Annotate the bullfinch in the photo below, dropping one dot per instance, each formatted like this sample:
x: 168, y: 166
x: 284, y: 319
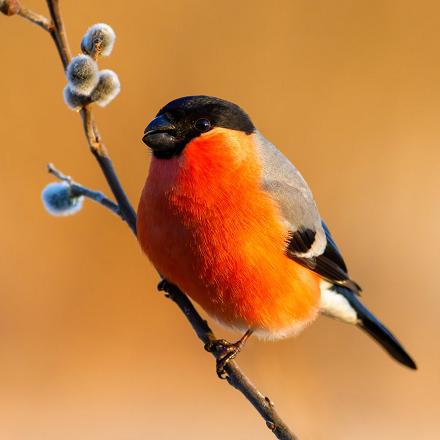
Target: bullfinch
x: 226, y: 217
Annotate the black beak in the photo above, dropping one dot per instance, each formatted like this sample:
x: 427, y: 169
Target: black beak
x: 160, y: 134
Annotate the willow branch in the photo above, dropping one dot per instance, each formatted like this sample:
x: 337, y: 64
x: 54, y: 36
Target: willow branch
x: 235, y: 377
x: 123, y: 208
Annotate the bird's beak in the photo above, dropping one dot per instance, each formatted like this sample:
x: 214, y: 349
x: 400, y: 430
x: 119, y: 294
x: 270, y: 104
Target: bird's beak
x: 160, y: 134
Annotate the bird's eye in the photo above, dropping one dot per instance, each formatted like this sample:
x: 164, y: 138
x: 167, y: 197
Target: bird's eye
x: 203, y: 125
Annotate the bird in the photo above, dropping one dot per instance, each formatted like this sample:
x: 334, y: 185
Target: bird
x: 227, y: 218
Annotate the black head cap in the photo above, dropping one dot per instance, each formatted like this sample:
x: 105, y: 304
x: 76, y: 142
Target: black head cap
x: 186, y: 118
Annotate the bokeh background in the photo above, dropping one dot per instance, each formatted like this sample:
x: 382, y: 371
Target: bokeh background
x: 350, y: 91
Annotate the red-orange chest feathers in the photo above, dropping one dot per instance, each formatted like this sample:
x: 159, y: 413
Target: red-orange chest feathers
x: 207, y: 225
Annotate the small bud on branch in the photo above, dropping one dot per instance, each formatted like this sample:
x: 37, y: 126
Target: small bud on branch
x: 10, y: 7
x: 98, y: 40
x: 82, y: 75
x: 59, y: 200
x: 73, y: 100
x: 107, y: 89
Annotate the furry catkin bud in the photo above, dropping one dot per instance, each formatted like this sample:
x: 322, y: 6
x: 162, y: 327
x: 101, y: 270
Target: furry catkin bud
x: 58, y: 200
x: 82, y: 75
x: 73, y: 100
x: 107, y: 89
x: 98, y: 40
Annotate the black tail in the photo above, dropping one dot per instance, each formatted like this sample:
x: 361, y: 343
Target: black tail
x: 378, y: 331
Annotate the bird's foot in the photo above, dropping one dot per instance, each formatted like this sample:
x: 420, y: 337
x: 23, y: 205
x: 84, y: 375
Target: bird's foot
x: 167, y: 287
x: 224, y: 351
x: 163, y: 285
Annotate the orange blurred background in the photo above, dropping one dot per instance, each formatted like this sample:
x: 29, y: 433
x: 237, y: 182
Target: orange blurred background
x: 350, y: 91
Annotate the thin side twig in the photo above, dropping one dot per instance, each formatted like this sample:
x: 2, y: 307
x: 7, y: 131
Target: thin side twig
x: 235, y: 376
x: 35, y: 18
x: 81, y: 190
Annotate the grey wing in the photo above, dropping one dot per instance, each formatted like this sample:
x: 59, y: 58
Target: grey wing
x: 309, y: 241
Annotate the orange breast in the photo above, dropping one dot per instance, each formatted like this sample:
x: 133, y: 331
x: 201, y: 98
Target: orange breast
x: 207, y: 226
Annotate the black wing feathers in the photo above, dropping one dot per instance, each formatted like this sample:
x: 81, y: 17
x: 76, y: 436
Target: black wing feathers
x: 332, y: 250
x: 330, y: 264
x: 300, y: 241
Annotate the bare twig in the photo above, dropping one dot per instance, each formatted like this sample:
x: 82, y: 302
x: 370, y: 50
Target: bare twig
x: 123, y: 208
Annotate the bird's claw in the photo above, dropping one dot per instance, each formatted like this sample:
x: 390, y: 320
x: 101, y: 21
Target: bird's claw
x: 217, y: 345
x: 163, y: 284
x: 224, y: 351
x: 224, y: 360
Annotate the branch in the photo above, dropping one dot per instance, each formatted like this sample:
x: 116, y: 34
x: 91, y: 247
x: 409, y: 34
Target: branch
x: 59, y: 34
x: 234, y: 375
x: 99, y: 150
x: 123, y: 208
